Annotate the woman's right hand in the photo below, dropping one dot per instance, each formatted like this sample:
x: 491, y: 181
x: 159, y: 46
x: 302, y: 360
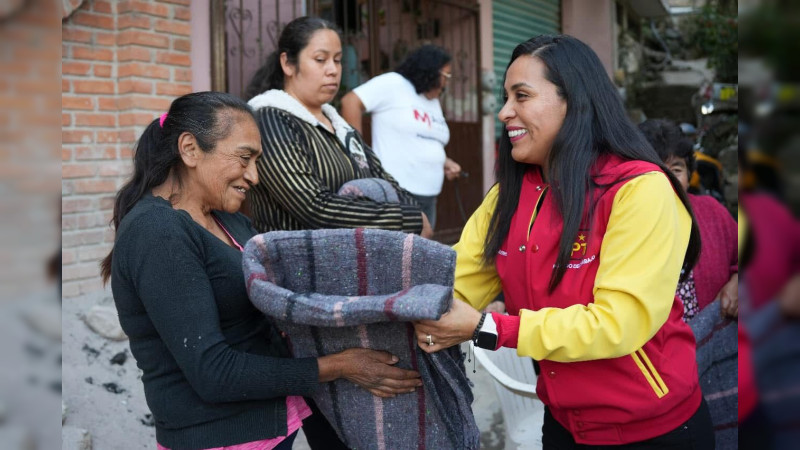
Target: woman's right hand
x: 370, y: 369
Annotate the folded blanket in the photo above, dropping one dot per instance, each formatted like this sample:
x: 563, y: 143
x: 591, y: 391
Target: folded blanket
x: 331, y: 290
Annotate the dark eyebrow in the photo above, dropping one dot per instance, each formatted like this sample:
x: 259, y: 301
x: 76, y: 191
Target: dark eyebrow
x: 519, y: 85
x: 248, y: 148
x: 328, y: 52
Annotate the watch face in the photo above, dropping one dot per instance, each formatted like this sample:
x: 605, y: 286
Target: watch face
x: 487, y: 340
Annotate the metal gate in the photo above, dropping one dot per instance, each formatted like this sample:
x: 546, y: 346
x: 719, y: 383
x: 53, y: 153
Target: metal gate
x: 377, y: 36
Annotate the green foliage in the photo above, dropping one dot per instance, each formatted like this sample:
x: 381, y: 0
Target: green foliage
x: 715, y: 35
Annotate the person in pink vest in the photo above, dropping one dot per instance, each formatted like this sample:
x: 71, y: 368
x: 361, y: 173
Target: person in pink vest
x: 586, y: 234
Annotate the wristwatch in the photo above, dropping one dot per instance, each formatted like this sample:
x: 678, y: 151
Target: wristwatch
x: 485, y: 335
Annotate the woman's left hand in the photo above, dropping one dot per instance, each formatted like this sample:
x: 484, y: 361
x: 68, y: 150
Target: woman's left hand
x: 729, y: 297
x: 454, y: 327
x: 451, y: 169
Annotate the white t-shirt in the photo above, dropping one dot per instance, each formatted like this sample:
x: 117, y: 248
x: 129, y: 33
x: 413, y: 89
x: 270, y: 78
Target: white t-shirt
x: 408, y: 132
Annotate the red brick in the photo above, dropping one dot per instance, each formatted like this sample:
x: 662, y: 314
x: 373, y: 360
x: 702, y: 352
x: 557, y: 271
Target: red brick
x: 101, y: 38
x: 75, y: 68
x: 107, y: 103
x: 83, y: 237
x: 95, y: 152
x: 68, y: 256
x: 93, y: 53
x: 183, y: 45
x: 175, y: 59
x: 93, y: 87
x: 102, y: 70
x: 182, y: 13
x: 69, y: 222
x: 80, y: 271
x: 107, y: 202
x: 95, y: 120
x: 142, y: 38
x: 173, y: 89
x: 138, y: 86
x: 133, y: 53
x: 128, y: 119
x: 133, y: 21
x: 115, y: 169
x: 101, y: 7
x: 78, y: 170
x: 64, y: 85
x: 143, y: 102
x: 183, y: 75
x: 95, y: 252
x: 76, y: 136
x: 177, y: 2
x: 129, y: 136
x: 79, y: 204
x: 143, y: 7
x: 173, y: 27
x: 95, y: 186
x: 69, y: 102
x: 66, y: 154
x: 70, y: 34
x: 92, y: 20
x: 142, y: 70
x: 107, y: 137
x: 92, y: 220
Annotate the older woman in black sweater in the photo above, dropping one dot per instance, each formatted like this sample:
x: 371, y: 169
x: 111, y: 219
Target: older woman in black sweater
x: 215, y: 372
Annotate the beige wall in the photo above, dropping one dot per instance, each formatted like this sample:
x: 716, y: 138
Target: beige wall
x: 591, y: 21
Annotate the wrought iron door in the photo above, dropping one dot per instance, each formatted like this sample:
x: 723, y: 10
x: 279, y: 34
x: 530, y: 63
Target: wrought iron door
x: 377, y: 36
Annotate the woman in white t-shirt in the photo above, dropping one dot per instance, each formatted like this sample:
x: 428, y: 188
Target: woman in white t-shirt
x: 409, y: 131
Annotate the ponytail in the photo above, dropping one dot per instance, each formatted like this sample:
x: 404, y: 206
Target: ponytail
x: 269, y: 76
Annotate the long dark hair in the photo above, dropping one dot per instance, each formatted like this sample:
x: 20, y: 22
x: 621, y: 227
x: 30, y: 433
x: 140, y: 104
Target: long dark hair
x: 595, y: 124
x: 156, y: 155
x: 422, y: 67
x: 293, y: 39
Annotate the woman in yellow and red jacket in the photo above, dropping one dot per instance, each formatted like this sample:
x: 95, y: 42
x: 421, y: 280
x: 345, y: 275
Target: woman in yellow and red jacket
x: 586, y: 234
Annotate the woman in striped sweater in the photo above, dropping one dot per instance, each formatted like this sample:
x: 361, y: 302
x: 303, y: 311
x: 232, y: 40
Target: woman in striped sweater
x: 309, y: 150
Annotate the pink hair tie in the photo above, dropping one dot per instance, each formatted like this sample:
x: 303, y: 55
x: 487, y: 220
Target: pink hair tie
x: 162, y: 119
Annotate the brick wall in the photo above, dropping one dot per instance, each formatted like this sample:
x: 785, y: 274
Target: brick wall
x: 123, y: 62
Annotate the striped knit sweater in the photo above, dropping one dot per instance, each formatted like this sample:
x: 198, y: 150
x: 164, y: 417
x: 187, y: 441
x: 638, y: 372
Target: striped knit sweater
x: 303, y: 167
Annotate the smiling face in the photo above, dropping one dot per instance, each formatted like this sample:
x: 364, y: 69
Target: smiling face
x: 533, y: 112
x: 314, y: 80
x: 225, y: 174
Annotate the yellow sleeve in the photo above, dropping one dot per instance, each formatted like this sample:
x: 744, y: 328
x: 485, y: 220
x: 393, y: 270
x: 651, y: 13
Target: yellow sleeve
x: 476, y: 283
x: 640, y: 263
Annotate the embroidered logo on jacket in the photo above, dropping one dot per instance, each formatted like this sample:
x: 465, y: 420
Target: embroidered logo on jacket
x: 579, y: 246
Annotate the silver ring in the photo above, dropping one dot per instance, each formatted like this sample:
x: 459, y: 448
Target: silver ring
x: 430, y: 340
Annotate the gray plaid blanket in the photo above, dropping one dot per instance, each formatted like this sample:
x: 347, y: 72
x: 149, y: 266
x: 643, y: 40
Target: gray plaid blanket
x: 331, y: 290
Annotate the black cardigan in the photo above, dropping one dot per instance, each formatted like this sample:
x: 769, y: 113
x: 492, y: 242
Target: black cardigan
x: 215, y: 372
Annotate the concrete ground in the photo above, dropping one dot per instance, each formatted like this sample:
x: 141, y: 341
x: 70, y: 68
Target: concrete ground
x: 105, y: 401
